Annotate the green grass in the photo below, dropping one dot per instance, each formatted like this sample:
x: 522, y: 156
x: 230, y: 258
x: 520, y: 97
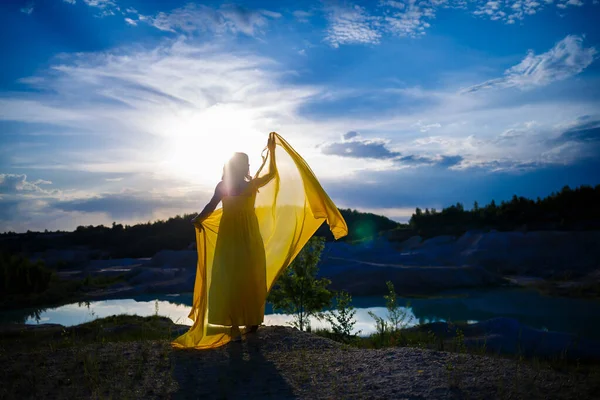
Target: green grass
x: 116, y: 328
x: 120, y: 357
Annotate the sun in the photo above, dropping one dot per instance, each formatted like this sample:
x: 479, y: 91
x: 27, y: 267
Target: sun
x: 199, y: 143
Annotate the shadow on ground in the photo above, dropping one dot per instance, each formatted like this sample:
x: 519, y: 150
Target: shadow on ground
x: 236, y: 370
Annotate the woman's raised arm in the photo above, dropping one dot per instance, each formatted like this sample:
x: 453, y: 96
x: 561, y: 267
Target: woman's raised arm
x: 263, y: 180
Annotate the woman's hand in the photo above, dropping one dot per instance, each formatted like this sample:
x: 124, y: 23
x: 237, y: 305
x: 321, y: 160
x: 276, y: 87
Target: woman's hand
x: 271, y: 143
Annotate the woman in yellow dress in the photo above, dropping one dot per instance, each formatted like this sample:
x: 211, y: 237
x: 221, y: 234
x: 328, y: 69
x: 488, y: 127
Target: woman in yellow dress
x: 244, y: 246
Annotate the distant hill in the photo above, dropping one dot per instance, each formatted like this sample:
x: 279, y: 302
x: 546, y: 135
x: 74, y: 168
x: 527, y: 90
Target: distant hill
x: 569, y: 209
x: 146, y: 239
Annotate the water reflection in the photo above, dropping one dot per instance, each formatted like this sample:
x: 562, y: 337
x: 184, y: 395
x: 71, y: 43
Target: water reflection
x: 528, y: 307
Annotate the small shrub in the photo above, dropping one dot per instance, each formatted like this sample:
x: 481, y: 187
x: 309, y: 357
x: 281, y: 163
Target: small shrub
x: 20, y: 276
x: 390, y: 331
x: 298, y: 291
x: 342, y: 319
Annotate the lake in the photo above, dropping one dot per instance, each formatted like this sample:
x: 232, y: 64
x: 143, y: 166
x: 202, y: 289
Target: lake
x: 576, y: 316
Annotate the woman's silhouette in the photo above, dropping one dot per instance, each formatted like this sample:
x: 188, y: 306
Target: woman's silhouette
x: 238, y: 287
x: 243, y: 247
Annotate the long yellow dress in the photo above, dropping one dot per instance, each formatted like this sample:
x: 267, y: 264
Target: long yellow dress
x: 238, y: 287
x: 244, y: 246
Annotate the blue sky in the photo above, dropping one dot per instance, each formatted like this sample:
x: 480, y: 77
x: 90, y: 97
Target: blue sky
x: 115, y: 110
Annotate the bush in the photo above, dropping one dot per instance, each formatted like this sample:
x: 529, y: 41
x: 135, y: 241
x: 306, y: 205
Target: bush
x: 390, y: 331
x: 298, y: 291
x: 342, y: 319
x: 20, y: 276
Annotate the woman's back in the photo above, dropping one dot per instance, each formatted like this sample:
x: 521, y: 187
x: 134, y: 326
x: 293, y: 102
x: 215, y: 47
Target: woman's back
x: 238, y: 284
x: 239, y: 199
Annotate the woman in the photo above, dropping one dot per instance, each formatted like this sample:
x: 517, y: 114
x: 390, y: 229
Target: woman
x: 243, y: 247
x: 238, y: 287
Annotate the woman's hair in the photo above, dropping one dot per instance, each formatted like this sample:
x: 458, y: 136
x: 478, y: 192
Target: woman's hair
x: 237, y: 169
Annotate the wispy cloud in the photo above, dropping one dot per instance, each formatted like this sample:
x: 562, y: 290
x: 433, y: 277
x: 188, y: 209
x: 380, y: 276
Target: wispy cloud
x: 100, y: 3
x: 131, y: 22
x: 70, y: 1
x: 104, y: 8
x: 28, y: 9
x: 354, y: 146
x: 583, y: 130
x: 173, y: 94
x: 270, y: 14
x: 410, y: 18
x: 567, y: 58
x: 517, y: 10
x: 127, y: 205
x: 194, y: 18
x: 351, y: 25
x: 18, y: 183
x: 302, y: 16
x: 445, y: 161
x: 424, y: 127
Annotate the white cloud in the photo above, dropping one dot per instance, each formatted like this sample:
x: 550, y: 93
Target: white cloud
x: 411, y: 20
x: 426, y: 127
x: 27, y: 9
x: 131, y: 22
x: 349, y: 135
x: 107, y: 13
x: 70, y: 1
x: 271, y: 14
x: 105, y: 8
x: 174, y: 94
x: 566, y: 59
x: 18, y: 183
x: 351, y: 25
x: 392, y: 3
x: 516, y: 10
x: 194, y: 18
x: 100, y: 3
x: 302, y: 16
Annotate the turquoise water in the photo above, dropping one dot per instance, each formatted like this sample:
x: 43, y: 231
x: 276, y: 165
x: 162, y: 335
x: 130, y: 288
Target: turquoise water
x: 576, y: 316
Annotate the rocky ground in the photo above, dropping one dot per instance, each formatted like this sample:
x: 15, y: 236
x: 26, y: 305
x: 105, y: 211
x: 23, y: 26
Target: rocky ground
x: 276, y: 362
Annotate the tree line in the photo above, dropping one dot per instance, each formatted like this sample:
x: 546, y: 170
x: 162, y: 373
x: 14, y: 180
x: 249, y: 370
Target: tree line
x: 568, y: 209
x: 146, y: 239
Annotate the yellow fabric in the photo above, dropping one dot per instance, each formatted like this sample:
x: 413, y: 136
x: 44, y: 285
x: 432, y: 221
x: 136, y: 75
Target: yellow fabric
x: 243, y: 247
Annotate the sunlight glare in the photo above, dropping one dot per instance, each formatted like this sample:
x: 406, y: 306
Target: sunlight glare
x: 201, y: 142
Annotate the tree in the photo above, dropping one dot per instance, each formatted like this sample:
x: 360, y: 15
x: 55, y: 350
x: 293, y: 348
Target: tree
x: 298, y: 291
x: 342, y: 319
x: 398, y: 317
